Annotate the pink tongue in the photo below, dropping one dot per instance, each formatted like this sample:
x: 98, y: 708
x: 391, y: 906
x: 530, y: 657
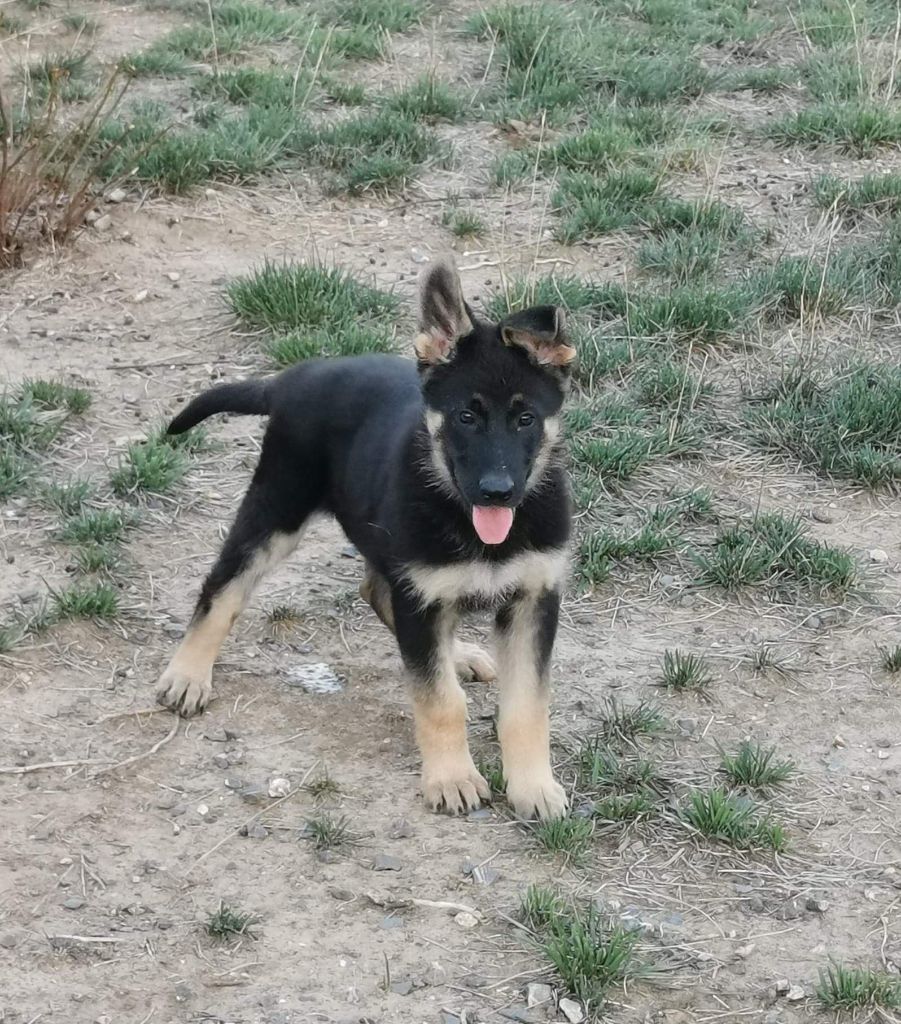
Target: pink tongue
x: 492, y: 524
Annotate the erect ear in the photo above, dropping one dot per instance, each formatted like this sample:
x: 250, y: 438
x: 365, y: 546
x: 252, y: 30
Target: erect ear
x: 443, y: 315
x: 541, y: 331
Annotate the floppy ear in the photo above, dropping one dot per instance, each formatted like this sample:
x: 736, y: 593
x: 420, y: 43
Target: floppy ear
x: 443, y: 315
x: 541, y: 331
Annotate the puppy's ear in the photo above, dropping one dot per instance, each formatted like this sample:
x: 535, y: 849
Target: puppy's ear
x: 443, y: 315
x: 541, y: 331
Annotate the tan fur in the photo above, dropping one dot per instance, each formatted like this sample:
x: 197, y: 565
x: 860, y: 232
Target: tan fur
x: 432, y: 347
x: 186, y: 684
x: 545, y: 350
x: 532, y: 571
x: 545, y: 452
x: 449, y: 776
x: 523, y: 725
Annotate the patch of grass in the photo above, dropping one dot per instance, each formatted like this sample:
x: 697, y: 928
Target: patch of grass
x: 349, y: 94
x: 151, y: 466
x: 80, y: 23
x: 851, y: 988
x: 377, y: 15
x: 591, y: 205
x: 619, y: 457
x: 263, y: 87
x: 539, y: 906
x: 154, y: 62
x: 493, y: 774
x: 96, y: 601
x: 10, y: 637
x: 682, y: 671
x: 373, y: 151
x: 569, y: 836
x: 65, y: 75
x: 847, y: 426
x: 10, y: 25
x: 25, y: 426
x: 54, y: 394
x: 691, y: 312
x: 623, y: 723
x: 859, y: 129
x: 797, y: 287
x: 590, y: 955
x: 599, y: 768
x: 774, y: 550
x: 225, y: 922
x: 68, y: 498
x: 729, y: 819
x: 890, y: 658
x: 95, y: 526
x: 603, y: 299
x: 664, y: 383
x: 284, y: 616
x: 348, y: 340
x: 767, y: 79
x: 323, y: 787
x: 326, y: 832
x: 756, y: 767
x: 427, y: 99
x: 623, y: 806
x: 286, y: 297
x: 464, y: 223
x: 875, y: 193
x: 91, y: 558
x: 14, y: 471
x: 257, y: 23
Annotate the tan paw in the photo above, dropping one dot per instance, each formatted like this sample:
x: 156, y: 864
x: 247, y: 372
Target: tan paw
x: 472, y: 662
x: 184, y: 692
x: 454, y: 786
x: 537, y: 796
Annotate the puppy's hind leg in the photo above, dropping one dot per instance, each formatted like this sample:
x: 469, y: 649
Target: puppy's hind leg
x: 470, y: 661
x: 266, y: 530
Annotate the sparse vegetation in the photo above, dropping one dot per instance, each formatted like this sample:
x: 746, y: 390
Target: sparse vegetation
x: 756, y: 767
x: 891, y: 658
x: 853, y: 988
x: 719, y: 815
x: 226, y: 922
x: 685, y: 671
x: 327, y: 832
x: 568, y: 836
x: 92, y: 601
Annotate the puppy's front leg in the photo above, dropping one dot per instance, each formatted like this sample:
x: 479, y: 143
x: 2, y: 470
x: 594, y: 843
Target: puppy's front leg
x: 526, y: 628
x: 450, y: 780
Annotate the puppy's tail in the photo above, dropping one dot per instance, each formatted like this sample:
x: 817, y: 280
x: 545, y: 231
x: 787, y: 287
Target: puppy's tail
x: 250, y: 398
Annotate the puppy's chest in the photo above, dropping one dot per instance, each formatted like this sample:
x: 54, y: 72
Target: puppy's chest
x: 479, y: 583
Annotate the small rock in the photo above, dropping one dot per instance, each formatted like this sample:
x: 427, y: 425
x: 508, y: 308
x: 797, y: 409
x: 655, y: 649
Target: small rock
x: 182, y: 993
x: 279, y: 787
x: 537, y: 995
x: 743, y: 952
x: 221, y: 761
x: 817, y: 906
x: 387, y: 862
x: 103, y: 223
x: 92, y: 216
x: 391, y: 921
x: 349, y: 551
x: 9, y: 940
x: 128, y: 319
x: 232, y: 781
x: 481, y: 814
x: 687, y: 726
x: 402, y: 987
x: 215, y: 735
x: 257, y: 831
x: 203, y: 810
x: 167, y: 801
x: 839, y: 741
x: 172, y: 275
x: 795, y: 994
x: 522, y: 1014
x: 418, y: 256
x: 400, y: 829
x: 74, y: 903
x: 466, y: 920
x: 782, y: 986
x: 878, y: 555
x: 572, y: 1011
x: 254, y: 794
x: 118, y: 195
x: 140, y: 296
x: 315, y: 678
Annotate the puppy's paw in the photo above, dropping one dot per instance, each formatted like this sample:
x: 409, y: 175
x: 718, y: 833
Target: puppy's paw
x: 186, y: 693
x: 472, y: 662
x: 536, y: 796
x: 454, y: 786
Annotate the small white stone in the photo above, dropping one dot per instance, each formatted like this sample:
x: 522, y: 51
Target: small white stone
x: 203, y: 810
x: 140, y: 296
x: 743, y: 952
x: 878, y: 555
x: 795, y: 994
x: 118, y: 195
x: 173, y: 275
x: 572, y: 1011
x: 279, y: 787
x: 103, y: 223
x: 839, y: 741
x: 466, y: 920
x: 537, y: 995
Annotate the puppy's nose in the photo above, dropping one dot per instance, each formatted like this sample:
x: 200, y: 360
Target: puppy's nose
x: 496, y: 488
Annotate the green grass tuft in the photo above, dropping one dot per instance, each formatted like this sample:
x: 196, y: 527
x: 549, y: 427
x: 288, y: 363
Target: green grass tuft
x: 623, y: 723
x: 427, y: 99
x: 464, y: 223
x: 591, y: 206
x: 847, y: 425
x: 63, y: 75
x: 69, y: 498
x: 249, y: 86
x: 326, y: 832
x: 14, y: 472
x: 755, y: 767
x: 54, y: 394
x: 874, y: 193
x: 890, y: 658
x: 97, y: 526
x: 346, y: 340
x: 664, y: 383
x: 91, y: 558
x: 569, y: 836
x: 730, y: 819
x: 852, y: 988
x: 859, y: 129
x: 154, y: 62
x: 226, y: 922
x: 377, y: 15
x: 683, y: 671
x: 97, y: 601
x: 539, y: 906
x: 601, y: 769
x: 284, y: 297
x: 26, y: 426
x: 152, y: 466
x: 775, y: 551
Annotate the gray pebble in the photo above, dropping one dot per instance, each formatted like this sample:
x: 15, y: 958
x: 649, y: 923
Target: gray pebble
x: 9, y: 940
x: 254, y: 793
x: 391, y: 922
x: 387, y: 862
x: 215, y: 735
x: 74, y: 903
x: 402, y: 987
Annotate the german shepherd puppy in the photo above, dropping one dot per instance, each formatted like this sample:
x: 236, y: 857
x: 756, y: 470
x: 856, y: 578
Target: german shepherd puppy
x: 448, y: 479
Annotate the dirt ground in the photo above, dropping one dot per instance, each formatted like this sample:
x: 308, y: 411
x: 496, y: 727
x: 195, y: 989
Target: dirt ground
x: 112, y: 862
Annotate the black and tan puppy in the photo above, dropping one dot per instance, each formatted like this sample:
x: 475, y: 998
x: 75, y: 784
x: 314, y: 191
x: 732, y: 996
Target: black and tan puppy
x: 448, y: 479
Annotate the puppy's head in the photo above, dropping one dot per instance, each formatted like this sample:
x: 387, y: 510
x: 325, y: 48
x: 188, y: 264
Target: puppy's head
x: 492, y: 393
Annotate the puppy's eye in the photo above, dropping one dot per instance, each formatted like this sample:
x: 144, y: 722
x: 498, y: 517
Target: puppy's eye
x: 467, y: 417
x: 526, y: 420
